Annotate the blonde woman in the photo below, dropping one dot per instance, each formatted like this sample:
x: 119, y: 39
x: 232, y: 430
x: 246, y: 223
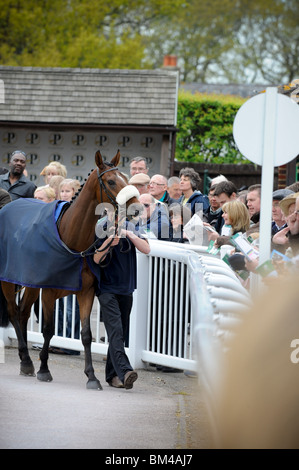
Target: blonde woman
x: 68, y: 188
x: 236, y: 215
x: 54, y: 183
x: 53, y: 169
x: 45, y: 193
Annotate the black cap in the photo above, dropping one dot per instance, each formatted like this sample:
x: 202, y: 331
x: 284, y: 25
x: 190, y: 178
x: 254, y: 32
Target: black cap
x: 280, y: 194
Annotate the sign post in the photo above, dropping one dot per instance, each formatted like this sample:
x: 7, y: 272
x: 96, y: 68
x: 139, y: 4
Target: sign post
x: 268, y: 163
x: 266, y: 132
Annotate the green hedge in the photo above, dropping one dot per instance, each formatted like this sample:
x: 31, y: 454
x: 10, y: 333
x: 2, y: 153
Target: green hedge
x: 205, y: 124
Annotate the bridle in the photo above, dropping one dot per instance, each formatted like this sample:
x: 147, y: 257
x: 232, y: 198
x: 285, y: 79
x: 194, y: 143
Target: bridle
x: 112, y: 199
x: 104, y: 188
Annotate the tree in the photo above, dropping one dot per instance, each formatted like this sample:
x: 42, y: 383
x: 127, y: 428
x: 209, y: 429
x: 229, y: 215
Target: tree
x: 77, y: 33
x: 243, y: 41
x: 266, y: 47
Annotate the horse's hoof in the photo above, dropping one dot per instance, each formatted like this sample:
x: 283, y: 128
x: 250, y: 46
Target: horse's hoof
x: 27, y: 370
x: 44, y: 376
x: 94, y: 385
x: 30, y: 374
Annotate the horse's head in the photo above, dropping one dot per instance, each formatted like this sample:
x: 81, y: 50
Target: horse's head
x: 114, y: 189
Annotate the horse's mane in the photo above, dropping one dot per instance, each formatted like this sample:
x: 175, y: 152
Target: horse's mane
x: 79, y: 190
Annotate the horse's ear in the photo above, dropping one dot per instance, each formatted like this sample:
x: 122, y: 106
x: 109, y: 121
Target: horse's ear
x: 115, y: 160
x: 99, y: 160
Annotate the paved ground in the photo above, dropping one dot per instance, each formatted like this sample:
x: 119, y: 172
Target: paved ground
x: 162, y: 411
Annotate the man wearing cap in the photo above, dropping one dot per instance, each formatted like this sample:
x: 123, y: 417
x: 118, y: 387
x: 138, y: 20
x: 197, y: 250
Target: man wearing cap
x: 278, y: 218
x: 141, y: 182
x: 14, y: 181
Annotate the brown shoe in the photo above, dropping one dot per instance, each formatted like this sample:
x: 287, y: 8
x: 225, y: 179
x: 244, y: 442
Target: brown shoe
x: 130, y: 377
x: 116, y: 382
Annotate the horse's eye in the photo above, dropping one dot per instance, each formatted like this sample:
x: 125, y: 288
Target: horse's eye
x: 111, y: 182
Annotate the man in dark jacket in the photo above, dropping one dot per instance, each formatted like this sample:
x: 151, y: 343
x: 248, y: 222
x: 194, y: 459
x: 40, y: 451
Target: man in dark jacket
x: 278, y: 219
x: 213, y: 214
x: 14, y: 182
x: 154, y: 221
x: 118, y: 280
x: 225, y: 191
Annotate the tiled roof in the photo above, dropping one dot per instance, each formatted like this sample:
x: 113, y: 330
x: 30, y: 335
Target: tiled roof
x: 243, y: 90
x: 89, y: 96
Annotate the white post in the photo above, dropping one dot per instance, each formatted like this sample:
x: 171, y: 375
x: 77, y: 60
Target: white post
x: 138, y: 317
x: 268, y: 159
x: 4, y: 336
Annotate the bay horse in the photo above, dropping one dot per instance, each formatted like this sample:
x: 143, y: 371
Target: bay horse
x: 77, y: 231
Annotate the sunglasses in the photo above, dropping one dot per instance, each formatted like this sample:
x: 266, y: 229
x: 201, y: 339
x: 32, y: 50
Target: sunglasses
x: 18, y: 151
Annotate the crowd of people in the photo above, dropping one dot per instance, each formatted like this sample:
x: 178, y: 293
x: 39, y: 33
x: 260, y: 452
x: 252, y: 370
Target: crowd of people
x: 225, y: 211
x: 168, y: 206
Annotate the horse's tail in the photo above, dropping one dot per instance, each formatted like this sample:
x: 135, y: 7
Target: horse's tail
x: 4, y: 319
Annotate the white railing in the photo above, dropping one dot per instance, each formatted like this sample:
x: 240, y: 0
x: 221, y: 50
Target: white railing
x: 186, y: 302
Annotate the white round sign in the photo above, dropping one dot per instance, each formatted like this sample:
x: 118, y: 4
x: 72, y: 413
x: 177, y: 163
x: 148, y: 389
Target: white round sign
x: 249, y: 124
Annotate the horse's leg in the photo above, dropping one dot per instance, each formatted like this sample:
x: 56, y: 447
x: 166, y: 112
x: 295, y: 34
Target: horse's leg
x: 85, y: 300
x: 14, y: 312
x: 48, y: 302
x: 30, y: 296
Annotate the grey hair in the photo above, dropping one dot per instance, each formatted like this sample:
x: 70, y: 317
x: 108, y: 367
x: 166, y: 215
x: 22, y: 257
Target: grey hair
x: 173, y: 180
x: 194, y: 177
x: 139, y: 159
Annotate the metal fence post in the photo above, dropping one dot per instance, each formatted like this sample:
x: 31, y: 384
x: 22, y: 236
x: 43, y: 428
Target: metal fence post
x: 138, y: 317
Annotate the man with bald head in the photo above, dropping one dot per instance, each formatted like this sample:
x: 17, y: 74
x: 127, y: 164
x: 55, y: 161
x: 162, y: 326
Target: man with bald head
x: 14, y: 182
x: 158, y: 189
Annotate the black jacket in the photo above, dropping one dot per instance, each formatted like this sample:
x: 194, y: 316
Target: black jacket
x: 22, y: 188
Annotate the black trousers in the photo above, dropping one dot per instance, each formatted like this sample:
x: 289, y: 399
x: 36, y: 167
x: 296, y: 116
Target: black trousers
x: 116, y: 311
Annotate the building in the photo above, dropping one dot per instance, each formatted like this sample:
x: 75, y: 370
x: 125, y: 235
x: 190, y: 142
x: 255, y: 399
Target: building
x: 68, y: 114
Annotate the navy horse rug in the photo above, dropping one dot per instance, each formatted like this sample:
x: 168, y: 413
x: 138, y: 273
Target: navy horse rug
x: 31, y: 251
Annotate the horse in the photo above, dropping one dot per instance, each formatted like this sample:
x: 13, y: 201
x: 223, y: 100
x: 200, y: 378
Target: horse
x: 76, y: 228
